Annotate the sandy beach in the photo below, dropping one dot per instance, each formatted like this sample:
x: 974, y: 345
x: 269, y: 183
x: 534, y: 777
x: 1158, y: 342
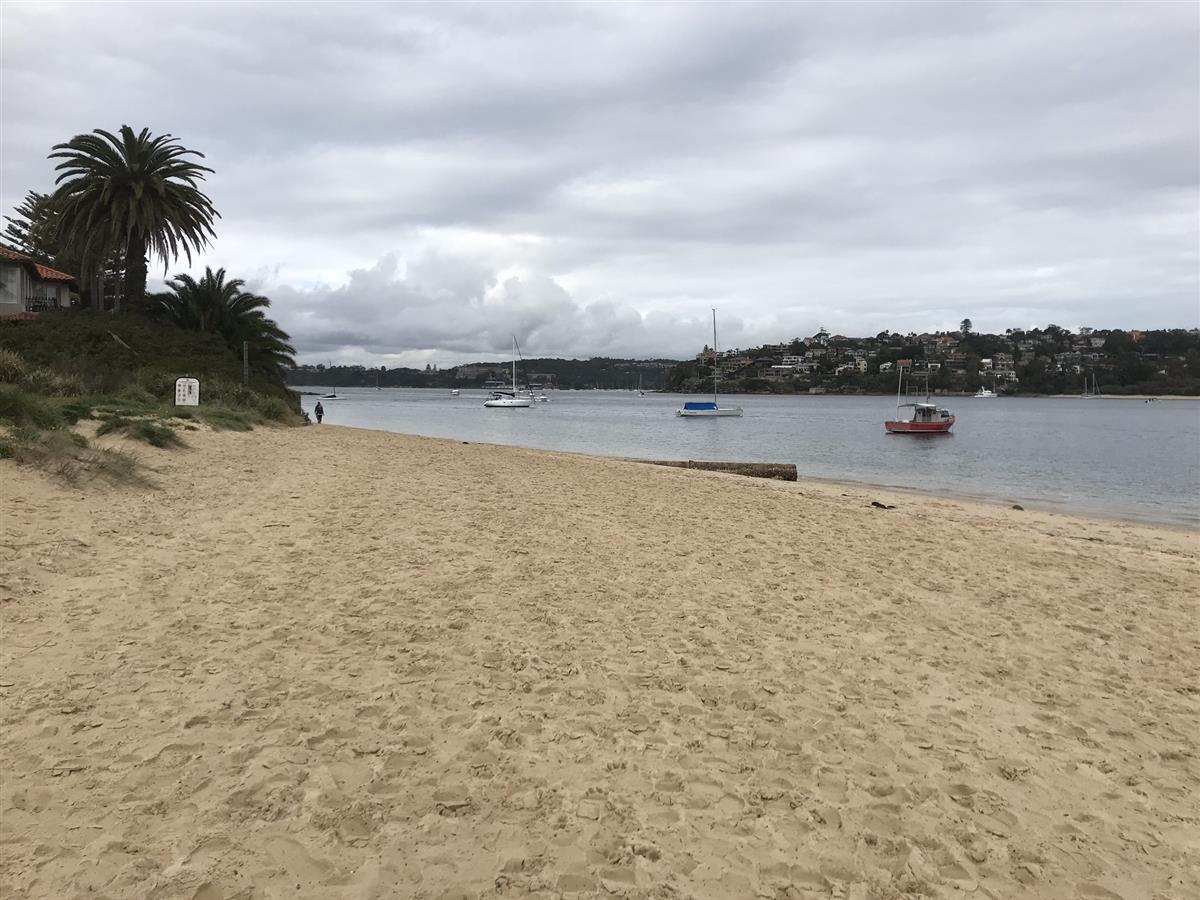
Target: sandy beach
x: 331, y: 663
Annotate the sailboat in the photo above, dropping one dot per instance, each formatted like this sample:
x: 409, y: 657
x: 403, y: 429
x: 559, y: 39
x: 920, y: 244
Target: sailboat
x: 509, y: 399
x: 641, y: 393
x: 1094, y: 392
x: 704, y: 408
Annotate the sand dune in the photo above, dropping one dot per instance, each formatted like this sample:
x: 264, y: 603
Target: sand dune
x: 343, y: 664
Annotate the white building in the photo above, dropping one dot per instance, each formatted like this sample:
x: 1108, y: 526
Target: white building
x: 28, y: 288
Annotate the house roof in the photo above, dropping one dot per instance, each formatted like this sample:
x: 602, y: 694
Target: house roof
x: 45, y: 273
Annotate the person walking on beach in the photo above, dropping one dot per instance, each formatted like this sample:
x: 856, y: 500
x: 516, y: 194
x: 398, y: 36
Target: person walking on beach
x: 320, y: 411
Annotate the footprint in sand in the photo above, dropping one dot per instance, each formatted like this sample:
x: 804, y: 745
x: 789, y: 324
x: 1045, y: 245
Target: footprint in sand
x: 296, y: 860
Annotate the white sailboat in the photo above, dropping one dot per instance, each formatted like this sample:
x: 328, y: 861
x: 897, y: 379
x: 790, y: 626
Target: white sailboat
x: 509, y: 399
x: 1090, y: 393
x: 705, y: 409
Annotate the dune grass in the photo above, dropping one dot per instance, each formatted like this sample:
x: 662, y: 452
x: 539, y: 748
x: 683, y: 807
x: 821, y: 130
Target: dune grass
x: 154, y: 433
x: 38, y: 405
x: 69, y: 456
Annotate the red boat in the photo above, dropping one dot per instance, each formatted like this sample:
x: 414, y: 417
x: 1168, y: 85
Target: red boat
x: 926, y: 418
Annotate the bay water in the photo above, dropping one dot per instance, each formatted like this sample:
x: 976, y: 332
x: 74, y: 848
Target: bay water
x: 1120, y: 458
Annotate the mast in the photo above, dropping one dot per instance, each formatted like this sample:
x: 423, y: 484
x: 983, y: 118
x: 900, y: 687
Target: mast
x: 716, y: 370
x: 514, y: 365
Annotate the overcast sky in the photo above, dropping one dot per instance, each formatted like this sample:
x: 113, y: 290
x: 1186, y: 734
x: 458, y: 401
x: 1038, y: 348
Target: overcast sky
x: 417, y: 183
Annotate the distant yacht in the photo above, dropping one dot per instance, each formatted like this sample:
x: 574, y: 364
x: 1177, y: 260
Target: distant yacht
x: 984, y: 393
x: 1093, y: 392
x: 706, y: 409
x: 509, y: 399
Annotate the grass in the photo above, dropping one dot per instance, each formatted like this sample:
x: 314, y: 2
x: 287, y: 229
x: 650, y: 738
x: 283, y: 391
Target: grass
x: 227, y: 418
x: 68, y: 456
x: 38, y: 402
x: 156, y: 434
x: 23, y: 409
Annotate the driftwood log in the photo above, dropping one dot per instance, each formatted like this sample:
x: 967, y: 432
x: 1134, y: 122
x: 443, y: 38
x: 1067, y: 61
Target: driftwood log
x: 780, y: 471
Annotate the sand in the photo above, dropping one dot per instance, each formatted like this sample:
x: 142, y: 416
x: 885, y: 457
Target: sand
x: 333, y: 663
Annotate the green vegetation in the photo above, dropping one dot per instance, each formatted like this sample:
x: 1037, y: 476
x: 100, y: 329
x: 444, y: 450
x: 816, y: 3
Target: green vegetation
x: 565, y: 374
x: 153, y: 433
x: 107, y: 354
x: 134, y: 193
x: 213, y: 305
x: 67, y: 455
x: 35, y: 420
x: 24, y: 410
x: 1050, y: 360
x: 119, y: 198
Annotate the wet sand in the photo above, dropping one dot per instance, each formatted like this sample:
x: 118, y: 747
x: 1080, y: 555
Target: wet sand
x: 333, y: 663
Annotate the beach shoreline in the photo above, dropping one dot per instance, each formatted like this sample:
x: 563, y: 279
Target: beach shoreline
x: 338, y: 662
x: 1184, y: 522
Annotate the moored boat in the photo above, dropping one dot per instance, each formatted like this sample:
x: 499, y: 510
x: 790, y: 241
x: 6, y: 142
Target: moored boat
x: 509, y: 399
x: 709, y: 408
x: 926, y: 417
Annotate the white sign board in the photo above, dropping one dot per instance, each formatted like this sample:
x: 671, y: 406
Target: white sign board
x: 187, y: 392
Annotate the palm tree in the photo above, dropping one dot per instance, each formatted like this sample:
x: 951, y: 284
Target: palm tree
x: 222, y: 307
x: 134, y: 193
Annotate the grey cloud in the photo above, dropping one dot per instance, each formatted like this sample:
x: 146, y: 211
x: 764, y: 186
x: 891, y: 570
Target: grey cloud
x: 856, y: 165
x: 451, y: 309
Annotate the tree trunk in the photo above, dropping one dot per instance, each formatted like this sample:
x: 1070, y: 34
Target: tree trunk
x: 135, y: 273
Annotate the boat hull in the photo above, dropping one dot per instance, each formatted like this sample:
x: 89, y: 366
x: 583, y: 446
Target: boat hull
x: 708, y: 413
x: 903, y: 427
x: 508, y: 404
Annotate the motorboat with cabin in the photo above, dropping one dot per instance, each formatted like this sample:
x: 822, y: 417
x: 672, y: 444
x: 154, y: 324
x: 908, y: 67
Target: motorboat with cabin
x: 926, y: 417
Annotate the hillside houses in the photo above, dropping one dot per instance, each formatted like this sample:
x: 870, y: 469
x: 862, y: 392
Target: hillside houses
x: 1050, y: 360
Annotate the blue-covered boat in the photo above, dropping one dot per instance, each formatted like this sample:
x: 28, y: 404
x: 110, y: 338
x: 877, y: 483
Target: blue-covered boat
x: 709, y: 408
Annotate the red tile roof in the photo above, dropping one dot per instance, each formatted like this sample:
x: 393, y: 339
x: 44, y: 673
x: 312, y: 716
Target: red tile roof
x: 45, y: 273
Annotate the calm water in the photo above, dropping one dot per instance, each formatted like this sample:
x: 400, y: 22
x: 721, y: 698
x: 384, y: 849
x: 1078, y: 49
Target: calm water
x: 1121, y: 458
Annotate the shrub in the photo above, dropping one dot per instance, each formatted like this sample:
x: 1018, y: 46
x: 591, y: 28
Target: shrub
x: 14, y: 370
x: 225, y: 418
x: 74, y: 411
x: 21, y: 408
x: 137, y: 395
x: 52, y: 384
x: 66, y: 455
x: 154, y: 433
x: 274, y: 409
x: 12, y: 367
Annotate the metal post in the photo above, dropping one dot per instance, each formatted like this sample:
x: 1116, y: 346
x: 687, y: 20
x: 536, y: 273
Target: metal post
x: 245, y: 363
